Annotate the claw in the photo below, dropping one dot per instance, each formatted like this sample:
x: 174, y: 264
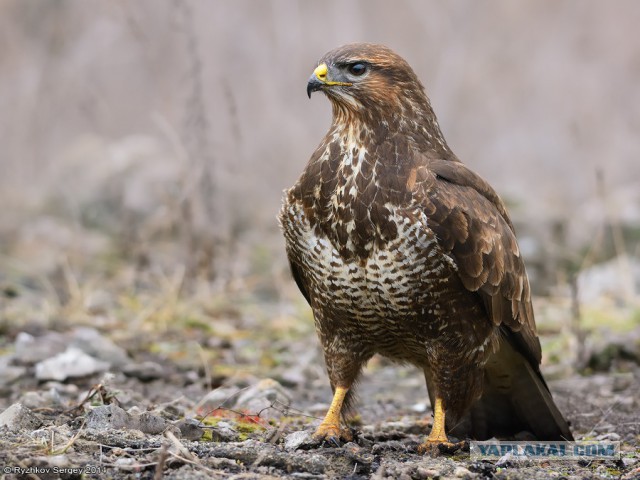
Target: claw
x: 332, y: 434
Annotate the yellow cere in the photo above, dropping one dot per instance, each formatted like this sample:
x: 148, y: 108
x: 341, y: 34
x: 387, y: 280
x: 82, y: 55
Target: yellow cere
x: 321, y: 72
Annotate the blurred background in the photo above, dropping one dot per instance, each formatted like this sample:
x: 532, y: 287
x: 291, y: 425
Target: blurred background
x: 146, y: 145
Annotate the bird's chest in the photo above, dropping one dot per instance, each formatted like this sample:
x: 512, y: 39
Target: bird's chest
x: 396, y: 283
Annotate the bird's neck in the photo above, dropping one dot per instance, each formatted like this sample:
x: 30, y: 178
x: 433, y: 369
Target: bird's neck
x: 406, y: 122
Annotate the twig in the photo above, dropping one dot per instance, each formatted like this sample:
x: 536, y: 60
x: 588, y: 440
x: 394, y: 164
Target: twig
x: 162, y: 458
x: 295, y: 410
x: 605, y: 414
x: 178, y: 444
x: 234, y: 394
x: 277, y: 435
x: 185, y: 455
x: 70, y: 442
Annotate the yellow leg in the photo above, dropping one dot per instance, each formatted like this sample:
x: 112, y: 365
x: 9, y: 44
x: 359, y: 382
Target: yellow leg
x: 438, y: 436
x: 329, y: 429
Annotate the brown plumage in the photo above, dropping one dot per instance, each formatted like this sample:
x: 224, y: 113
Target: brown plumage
x: 403, y: 251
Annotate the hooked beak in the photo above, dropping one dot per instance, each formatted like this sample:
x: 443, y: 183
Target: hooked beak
x: 314, y: 84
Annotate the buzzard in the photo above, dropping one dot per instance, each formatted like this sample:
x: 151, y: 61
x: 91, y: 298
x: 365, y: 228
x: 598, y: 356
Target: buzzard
x: 403, y: 251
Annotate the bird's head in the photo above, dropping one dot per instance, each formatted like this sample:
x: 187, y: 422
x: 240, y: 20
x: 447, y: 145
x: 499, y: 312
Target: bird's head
x: 367, y: 79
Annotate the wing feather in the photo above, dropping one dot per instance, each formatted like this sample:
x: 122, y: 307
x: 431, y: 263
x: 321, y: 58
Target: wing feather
x: 472, y: 225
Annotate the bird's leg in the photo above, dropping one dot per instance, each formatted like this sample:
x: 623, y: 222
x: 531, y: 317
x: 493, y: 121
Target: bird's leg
x: 329, y: 429
x: 437, y: 434
x: 344, y: 364
x: 437, y: 437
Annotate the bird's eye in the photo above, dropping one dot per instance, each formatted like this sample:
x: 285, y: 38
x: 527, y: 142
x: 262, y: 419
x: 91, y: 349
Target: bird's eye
x: 357, y: 69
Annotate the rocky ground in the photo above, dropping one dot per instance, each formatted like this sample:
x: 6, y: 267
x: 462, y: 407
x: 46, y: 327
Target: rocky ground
x: 232, y: 388
x: 113, y: 369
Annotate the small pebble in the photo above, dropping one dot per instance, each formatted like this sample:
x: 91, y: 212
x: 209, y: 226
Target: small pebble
x: 190, y: 429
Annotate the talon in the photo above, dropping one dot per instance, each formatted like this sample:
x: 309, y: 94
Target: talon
x: 325, y: 432
x: 332, y: 434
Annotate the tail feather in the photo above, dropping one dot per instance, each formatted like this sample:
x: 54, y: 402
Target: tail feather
x: 515, y: 398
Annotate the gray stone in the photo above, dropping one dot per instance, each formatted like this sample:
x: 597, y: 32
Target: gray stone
x: 190, y: 429
x: 112, y: 416
x: 221, y: 397
x: 224, y: 432
x: 10, y: 373
x: 296, y: 440
x: 35, y: 399
x: 30, y: 349
x: 259, y: 398
x: 58, y: 390
x: 93, y: 343
x: 135, y: 411
x: 108, y: 416
x: 18, y: 417
x: 145, y: 371
x: 149, y: 423
x: 72, y: 363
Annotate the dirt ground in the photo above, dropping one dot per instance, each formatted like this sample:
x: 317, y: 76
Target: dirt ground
x: 131, y: 383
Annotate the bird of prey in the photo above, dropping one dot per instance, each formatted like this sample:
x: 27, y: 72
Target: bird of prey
x: 402, y: 250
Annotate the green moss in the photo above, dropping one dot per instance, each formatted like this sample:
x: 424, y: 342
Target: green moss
x: 207, y: 436
x: 210, y: 421
x: 248, y: 427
